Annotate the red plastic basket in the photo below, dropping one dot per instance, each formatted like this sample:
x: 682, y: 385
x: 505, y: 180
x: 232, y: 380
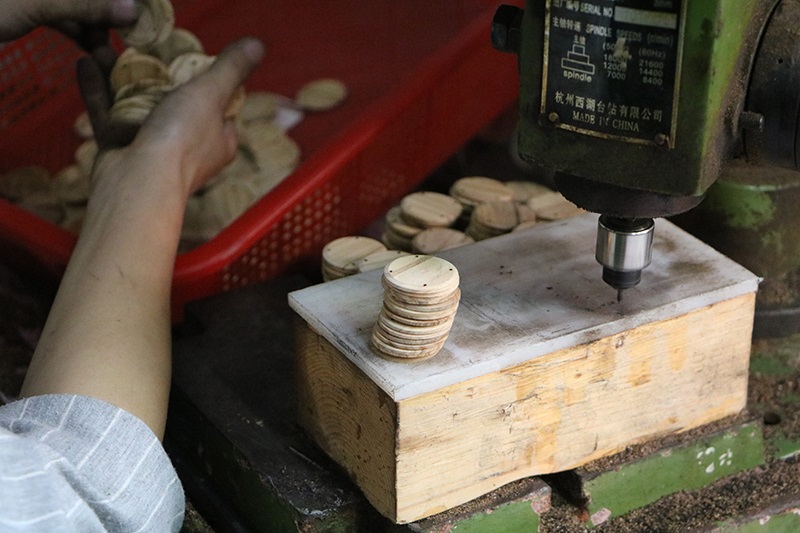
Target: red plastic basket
x: 422, y: 77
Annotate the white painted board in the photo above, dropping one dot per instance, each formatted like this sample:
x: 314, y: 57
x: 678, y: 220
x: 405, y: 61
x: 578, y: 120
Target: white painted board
x: 525, y: 295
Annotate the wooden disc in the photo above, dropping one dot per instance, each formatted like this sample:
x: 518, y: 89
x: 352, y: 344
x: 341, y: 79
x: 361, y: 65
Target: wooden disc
x: 180, y: 41
x: 321, y: 95
x: 474, y: 190
x: 403, y: 330
x: 434, y: 240
x: 421, y: 275
x: 421, y: 311
x: 524, y: 190
x: 496, y: 215
x: 400, y: 226
x: 259, y: 105
x: 83, y: 126
x: 406, y: 353
x: 343, y: 253
x: 188, y: 66
x: 132, y: 67
x: 553, y: 206
x: 154, y: 25
x: 377, y: 260
x: 434, y: 320
x: 430, y: 209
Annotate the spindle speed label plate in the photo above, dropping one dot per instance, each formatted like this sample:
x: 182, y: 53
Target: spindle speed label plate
x: 612, y: 68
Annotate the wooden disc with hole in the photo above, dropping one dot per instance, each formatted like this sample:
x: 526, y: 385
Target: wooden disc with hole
x: 421, y: 274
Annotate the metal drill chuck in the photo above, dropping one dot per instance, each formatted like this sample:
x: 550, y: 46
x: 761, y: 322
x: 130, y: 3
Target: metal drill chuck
x: 624, y: 249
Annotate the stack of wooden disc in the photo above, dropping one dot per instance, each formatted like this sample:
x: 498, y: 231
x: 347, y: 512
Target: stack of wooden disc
x: 416, y: 212
x: 552, y: 206
x: 474, y: 190
x: 420, y: 300
x: 490, y: 219
x: 434, y: 240
x: 342, y: 256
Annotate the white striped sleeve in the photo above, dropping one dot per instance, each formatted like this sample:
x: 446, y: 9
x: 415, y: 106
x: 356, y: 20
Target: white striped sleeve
x: 72, y: 463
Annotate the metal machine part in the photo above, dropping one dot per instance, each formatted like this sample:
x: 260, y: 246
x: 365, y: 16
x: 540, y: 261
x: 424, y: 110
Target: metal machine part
x: 638, y: 105
x: 624, y: 248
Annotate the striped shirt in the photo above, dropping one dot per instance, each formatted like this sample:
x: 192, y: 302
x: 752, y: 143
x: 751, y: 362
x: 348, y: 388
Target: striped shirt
x: 76, y: 464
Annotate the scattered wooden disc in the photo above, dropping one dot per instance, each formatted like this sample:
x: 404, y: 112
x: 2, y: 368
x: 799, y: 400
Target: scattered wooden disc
x: 321, y: 95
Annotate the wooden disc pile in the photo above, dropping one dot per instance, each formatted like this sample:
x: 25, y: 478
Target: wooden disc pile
x: 420, y: 300
x: 490, y: 219
x: 474, y: 190
x: 342, y: 256
x: 416, y: 212
x: 552, y: 206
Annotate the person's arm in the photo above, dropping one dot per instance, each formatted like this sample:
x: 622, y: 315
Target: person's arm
x: 108, y: 332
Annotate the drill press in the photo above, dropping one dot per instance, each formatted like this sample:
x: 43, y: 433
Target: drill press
x: 638, y: 105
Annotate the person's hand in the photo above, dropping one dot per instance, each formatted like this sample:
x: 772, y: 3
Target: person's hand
x: 186, y: 134
x: 85, y: 21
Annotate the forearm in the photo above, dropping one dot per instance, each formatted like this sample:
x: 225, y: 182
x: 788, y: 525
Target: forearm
x: 108, y: 332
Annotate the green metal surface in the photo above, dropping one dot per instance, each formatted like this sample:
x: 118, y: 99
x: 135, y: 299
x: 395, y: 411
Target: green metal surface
x: 750, y: 215
x: 686, y: 468
x: 509, y: 518
x: 719, y: 43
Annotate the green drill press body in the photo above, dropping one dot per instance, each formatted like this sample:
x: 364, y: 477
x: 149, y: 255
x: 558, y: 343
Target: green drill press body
x: 671, y: 123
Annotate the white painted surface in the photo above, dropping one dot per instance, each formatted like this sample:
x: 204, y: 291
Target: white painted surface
x: 524, y: 295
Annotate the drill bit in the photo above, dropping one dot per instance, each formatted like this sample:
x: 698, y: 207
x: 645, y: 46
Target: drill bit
x: 619, y: 295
